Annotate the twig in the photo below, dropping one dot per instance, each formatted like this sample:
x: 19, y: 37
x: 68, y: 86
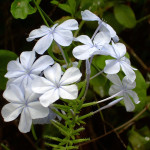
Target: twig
x: 120, y: 127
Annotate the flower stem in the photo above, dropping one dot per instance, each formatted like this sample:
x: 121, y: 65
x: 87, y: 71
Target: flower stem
x: 80, y: 26
x: 63, y: 54
x: 97, y: 74
x: 38, y: 8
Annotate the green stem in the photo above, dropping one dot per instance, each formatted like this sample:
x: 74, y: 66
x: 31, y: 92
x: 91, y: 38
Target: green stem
x: 80, y: 26
x: 79, y: 64
x: 144, y: 18
x: 5, y: 147
x: 33, y: 132
x: 38, y: 8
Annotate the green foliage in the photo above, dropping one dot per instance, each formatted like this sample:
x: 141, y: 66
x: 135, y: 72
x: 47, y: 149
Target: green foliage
x: 20, y: 9
x: 5, y: 57
x: 125, y: 16
x: 140, y: 140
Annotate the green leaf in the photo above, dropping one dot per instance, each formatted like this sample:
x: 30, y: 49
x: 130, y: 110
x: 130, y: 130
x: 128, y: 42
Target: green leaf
x: 139, y: 141
x: 64, y: 7
x: 5, y: 57
x: 141, y: 91
x: 21, y: 9
x: 125, y: 16
x: 72, y: 4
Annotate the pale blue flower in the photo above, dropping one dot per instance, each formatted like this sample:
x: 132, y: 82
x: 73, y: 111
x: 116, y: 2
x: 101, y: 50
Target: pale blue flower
x: 60, y: 33
x: 25, y: 103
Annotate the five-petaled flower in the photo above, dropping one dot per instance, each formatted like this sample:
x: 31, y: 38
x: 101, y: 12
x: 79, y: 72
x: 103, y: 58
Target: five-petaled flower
x: 126, y: 87
x: 90, y: 48
x: 118, y: 51
x: 104, y: 27
x: 23, y: 102
x: 60, y: 33
x: 53, y: 86
x: 24, y: 71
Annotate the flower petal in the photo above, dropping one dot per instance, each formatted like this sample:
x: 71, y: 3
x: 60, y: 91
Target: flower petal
x: 81, y: 52
x: 120, y: 49
x: 134, y: 96
x: 128, y: 103
x: 43, y: 44
x: 25, y: 121
x: 42, y: 31
x: 63, y: 37
x: 11, y: 111
x: 115, y: 89
x: 15, y: 69
x: 53, y: 74
x: 101, y: 38
x: 114, y: 78
x: 112, y: 66
x: 128, y: 84
x: 41, y: 85
x: 68, y: 92
x: 84, y: 39
x: 71, y: 75
x: 89, y: 16
x: 14, y: 94
x: 41, y: 64
x: 27, y: 59
x: 37, y: 110
x: 127, y: 69
x: 49, y: 97
x: 70, y: 24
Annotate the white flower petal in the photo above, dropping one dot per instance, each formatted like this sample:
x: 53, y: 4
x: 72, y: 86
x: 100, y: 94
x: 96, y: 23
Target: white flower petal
x: 25, y: 121
x: 42, y: 31
x: 134, y: 96
x: 128, y: 84
x: 70, y: 24
x: 15, y: 69
x: 49, y: 97
x: 84, y: 39
x: 37, y: 110
x: 46, y: 120
x: 89, y: 16
x: 71, y: 75
x: 63, y: 37
x: 53, y: 74
x: 112, y: 66
x: 41, y: 85
x: 11, y: 111
x: 114, y: 78
x: 128, y: 103
x: 41, y: 64
x: 101, y: 38
x: 81, y: 52
x: 120, y: 49
x: 27, y: 59
x: 13, y: 94
x: 43, y: 44
x: 68, y: 92
x: 127, y: 69
x: 115, y: 89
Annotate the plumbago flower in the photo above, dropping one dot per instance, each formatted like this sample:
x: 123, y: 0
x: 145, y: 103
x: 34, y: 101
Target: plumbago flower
x: 60, y: 33
x: 25, y: 103
x: 118, y: 51
x: 54, y: 86
x: 24, y: 70
x: 90, y: 48
x: 126, y: 87
x: 104, y: 27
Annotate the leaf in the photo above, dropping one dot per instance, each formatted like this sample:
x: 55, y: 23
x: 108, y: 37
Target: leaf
x: 125, y: 16
x: 64, y: 7
x: 139, y: 141
x: 72, y: 4
x: 21, y: 9
x: 5, y: 57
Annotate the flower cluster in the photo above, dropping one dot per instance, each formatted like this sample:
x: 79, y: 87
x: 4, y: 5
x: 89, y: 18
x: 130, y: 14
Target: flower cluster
x: 35, y: 84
